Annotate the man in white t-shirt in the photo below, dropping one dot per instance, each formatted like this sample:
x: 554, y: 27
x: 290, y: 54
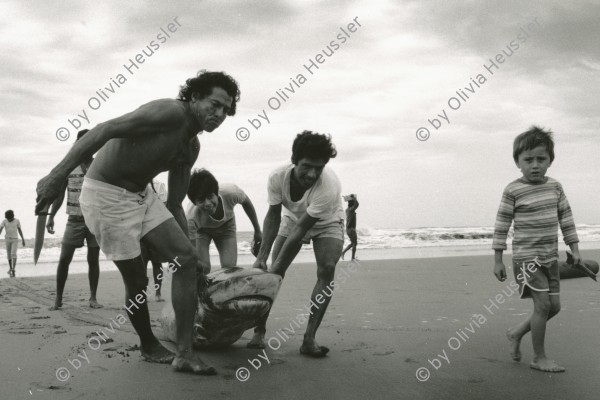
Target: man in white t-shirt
x: 309, y: 194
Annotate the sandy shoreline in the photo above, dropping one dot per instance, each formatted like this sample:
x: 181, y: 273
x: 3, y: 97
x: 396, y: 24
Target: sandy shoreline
x: 387, y: 319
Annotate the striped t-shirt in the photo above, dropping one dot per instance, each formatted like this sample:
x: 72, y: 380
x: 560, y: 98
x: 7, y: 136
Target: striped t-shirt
x: 537, y: 211
x: 75, y: 180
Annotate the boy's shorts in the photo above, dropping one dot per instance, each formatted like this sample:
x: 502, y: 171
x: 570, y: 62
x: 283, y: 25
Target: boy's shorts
x: 11, y: 247
x: 534, y: 276
x: 120, y: 218
x: 333, y: 230
x: 225, y: 231
x: 76, y: 231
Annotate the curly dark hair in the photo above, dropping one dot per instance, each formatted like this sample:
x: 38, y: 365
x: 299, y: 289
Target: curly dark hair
x: 9, y: 214
x: 313, y: 145
x: 203, y: 84
x: 202, y: 185
x: 531, y: 139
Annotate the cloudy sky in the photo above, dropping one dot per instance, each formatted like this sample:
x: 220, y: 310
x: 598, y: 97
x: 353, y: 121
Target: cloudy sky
x: 397, y: 70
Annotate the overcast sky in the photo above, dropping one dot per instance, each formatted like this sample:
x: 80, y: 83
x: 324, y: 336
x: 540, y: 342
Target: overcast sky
x: 398, y: 69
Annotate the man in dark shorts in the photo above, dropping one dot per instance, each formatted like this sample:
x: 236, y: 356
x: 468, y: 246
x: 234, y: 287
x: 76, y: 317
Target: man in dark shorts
x: 121, y: 211
x: 309, y: 194
x: 351, y: 224
x: 75, y: 233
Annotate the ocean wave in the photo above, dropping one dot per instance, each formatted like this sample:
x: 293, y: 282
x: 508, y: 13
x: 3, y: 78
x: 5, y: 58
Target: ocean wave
x: 368, y: 238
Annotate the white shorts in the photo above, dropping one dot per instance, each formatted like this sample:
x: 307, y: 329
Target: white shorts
x: 333, y: 230
x: 120, y: 218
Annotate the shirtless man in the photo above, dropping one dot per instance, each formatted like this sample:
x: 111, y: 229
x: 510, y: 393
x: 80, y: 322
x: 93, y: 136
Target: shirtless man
x: 309, y: 194
x: 120, y: 210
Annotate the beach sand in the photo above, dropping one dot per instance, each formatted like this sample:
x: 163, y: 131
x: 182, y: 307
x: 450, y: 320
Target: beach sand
x: 387, y: 319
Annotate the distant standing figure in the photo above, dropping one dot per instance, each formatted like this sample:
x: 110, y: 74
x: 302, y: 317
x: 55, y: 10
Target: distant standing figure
x: 75, y: 233
x: 351, y: 224
x: 11, y: 238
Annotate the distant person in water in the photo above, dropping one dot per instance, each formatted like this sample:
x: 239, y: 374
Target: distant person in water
x: 160, y: 190
x: 351, y: 224
x: 75, y: 233
x: 11, y: 239
x: 211, y: 218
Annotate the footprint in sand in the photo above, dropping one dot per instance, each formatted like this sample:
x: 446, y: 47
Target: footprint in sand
x: 19, y: 332
x: 492, y: 360
x: 410, y: 361
x: 387, y: 353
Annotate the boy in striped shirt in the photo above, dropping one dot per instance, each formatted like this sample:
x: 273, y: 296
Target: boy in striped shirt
x: 537, y: 204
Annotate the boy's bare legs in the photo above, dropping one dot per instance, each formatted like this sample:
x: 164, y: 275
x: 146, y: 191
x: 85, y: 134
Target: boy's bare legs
x: 227, y: 251
x: 545, y: 307
x: 327, y: 253
x: 258, y: 340
x: 172, y: 244
x: 93, y: 259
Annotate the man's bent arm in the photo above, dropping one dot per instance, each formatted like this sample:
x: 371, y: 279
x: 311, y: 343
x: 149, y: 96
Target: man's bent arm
x: 286, y: 255
x: 251, y: 213
x: 59, y: 200
x: 179, y: 179
x: 270, y: 229
x: 152, y: 118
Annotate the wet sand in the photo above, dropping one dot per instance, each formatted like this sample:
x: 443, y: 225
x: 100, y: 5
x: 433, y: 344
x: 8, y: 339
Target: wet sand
x: 387, y: 319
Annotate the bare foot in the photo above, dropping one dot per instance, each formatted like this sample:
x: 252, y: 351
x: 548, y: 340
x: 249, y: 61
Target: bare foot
x: 343, y: 254
x: 56, y: 306
x: 515, y: 343
x: 257, y: 341
x: 192, y: 363
x: 312, y: 349
x: 158, y: 354
x: 543, y: 364
x: 95, y: 304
